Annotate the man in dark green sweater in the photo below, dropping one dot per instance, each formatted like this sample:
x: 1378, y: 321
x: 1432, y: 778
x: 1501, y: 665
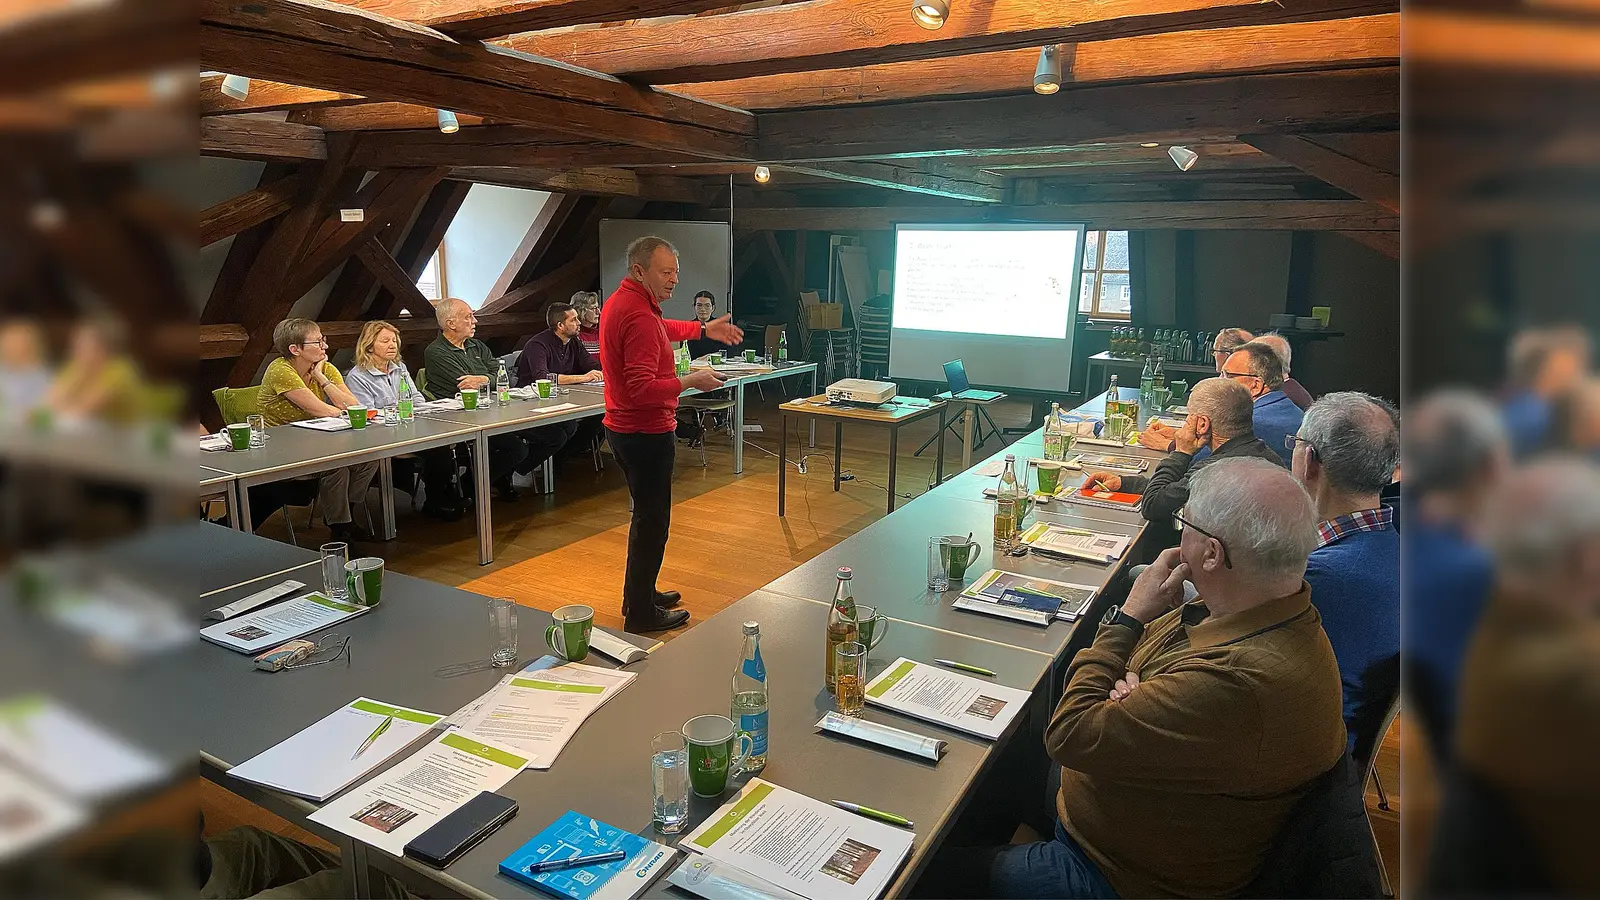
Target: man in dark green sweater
x: 456, y: 360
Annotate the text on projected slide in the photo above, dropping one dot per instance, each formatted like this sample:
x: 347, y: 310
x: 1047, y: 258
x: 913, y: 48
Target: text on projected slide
x: 1008, y: 283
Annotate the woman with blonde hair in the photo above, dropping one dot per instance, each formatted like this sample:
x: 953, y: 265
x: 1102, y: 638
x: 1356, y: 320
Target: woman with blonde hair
x: 375, y: 377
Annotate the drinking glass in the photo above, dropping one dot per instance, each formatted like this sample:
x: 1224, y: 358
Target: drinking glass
x: 669, y: 781
x: 334, y: 556
x: 391, y: 415
x: 502, y: 632
x: 850, y: 677
x: 258, y: 430
x: 938, y: 564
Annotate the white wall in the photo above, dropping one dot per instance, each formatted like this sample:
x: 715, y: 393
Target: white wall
x: 483, y: 235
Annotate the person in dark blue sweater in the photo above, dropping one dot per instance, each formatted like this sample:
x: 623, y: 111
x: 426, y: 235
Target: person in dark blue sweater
x: 1258, y: 367
x: 1345, y: 453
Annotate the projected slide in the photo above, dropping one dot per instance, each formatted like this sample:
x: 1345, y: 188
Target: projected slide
x: 1001, y: 298
x: 985, y: 282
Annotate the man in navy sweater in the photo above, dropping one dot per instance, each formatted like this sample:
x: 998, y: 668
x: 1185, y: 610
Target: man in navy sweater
x: 1258, y: 367
x: 1345, y: 454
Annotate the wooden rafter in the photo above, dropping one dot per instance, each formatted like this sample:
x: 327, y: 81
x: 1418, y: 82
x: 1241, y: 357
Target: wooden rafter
x: 426, y: 234
x: 247, y: 210
x: 375, y: 256
x: 598, y: 181
x: 584, y: 268
x: 82, y: 41
x: 1199, y: 109
x: 1295, y: 46
x: 479, y: 19
x: 260, y: 137
x: 267, y: 96
x: 541, y: 232
x: 499, y: 145
x: 388, y: 197
x: 917, y: 176
x: 333, y: 47
x: 1308, y: 215
x: 1385, y: 242
x: 833, y: 34
x: 1344, y: 172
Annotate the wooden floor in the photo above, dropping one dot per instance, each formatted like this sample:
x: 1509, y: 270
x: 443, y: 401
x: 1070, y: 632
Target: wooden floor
x: 727, y: 539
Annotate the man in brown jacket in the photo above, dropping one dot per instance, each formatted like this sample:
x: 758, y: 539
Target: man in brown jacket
x: 1186, y: 735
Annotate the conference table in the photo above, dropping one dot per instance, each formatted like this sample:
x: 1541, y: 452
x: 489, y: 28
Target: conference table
x: 892, y: 416
x: 217, y: 483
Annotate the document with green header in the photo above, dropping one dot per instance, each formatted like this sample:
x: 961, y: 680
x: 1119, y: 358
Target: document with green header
x: 272, y: 625
x: 975, y: 705
x: 337, y: 750
x: 536, y: 713
x: 802, y: 844
x: 408, y: 799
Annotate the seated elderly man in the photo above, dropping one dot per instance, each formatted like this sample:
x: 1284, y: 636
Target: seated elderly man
x: 1530, y: 691
x: 1218, y: 423
x: 456, y: 360
x: 1186, y: 735
x: 1345, y: 455
x: 1259, y: 368
x: 1294, y: 390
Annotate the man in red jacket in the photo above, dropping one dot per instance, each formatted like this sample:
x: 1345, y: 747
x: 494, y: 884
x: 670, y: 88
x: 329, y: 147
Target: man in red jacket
x: 641, y: 405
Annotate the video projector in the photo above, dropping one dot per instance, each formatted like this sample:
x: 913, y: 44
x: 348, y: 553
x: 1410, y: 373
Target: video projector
x: 860, y: 390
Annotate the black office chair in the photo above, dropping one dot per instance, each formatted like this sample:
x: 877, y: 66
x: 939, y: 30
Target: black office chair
x: 1480, y: 847
x: 1324, y: 848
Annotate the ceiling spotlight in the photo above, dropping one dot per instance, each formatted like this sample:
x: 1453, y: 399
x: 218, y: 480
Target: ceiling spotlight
x: 1047, y: 74
x: 930, y: 14
x: 235, y: 86
x: 1149, y: 145
x: 1183, y: 157
x: 448, y: 123
x: 763, y: 174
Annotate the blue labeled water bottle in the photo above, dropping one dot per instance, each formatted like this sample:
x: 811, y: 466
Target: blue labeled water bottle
x: 749, y: 709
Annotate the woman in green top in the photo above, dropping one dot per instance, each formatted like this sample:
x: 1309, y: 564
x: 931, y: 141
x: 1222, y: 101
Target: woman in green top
x: 302, y: 384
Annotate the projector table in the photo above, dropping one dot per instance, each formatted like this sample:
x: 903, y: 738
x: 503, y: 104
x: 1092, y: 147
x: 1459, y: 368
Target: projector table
x: 892, y: 418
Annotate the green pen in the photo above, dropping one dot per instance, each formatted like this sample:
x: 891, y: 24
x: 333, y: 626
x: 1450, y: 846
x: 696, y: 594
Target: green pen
x: 871, y: 813
x: 373, y: 737
x: 1077, y: 531
x: 977, y: 670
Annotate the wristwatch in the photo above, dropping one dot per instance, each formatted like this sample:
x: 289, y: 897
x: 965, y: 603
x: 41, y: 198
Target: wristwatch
x: 1115, y: 616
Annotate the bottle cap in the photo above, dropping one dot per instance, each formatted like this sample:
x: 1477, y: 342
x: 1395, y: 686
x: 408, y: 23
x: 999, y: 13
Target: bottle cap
x: 844, y: 573
x: 752, y: 628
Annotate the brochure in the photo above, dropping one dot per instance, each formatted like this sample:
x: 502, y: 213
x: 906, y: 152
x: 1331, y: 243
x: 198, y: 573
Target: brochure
x: 987, y: 595
x: 575, y: 835
x: 964, y: 702
x: 537, y: 713
x: 272, y: 625
x: 1051, y: 540
x: 337, y: 750
x: 70, y: 753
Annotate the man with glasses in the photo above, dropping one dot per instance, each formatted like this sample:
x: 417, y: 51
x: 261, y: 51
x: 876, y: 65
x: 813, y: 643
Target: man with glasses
x: 1345, y: 455
x: 1227, y: 341
x: 457, y: 360
x: 1259, y: 368
x: 1187, y: 731
x: 1219, y: 424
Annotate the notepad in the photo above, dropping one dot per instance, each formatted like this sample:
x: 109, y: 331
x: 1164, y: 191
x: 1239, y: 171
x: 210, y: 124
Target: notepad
x: 1119, y: 500
x: 575, y: 834
x: 328, y: 756
x: 325, y: 423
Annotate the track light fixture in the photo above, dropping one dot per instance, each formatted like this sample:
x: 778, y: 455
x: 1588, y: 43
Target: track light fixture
x: 235, y: 86
x: 1183, y: 157
x: 930, y: 14
x: 1047, y: 74
x: 448, y: 123
x: 763, y: 174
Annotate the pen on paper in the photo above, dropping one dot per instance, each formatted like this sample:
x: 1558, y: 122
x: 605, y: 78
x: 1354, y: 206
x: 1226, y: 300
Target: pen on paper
x: 964, y: 667
x: 572, y: 861
x: 373, y: 737
x: 871, y: 813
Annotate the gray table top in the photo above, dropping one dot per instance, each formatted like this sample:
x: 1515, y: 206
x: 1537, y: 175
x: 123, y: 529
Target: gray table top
x: 519, y: 414
x: 197, y: 558
x: 291, y: 451
x: 211, y: 477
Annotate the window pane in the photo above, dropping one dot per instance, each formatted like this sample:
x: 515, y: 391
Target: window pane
x: 1086, y: 296
x: 428, y: 284
x: 1116, y: 250
x: 1091, y: 250
x: 1115, y: 293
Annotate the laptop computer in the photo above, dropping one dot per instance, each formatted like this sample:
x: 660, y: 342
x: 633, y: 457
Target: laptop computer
x: 960, y: 389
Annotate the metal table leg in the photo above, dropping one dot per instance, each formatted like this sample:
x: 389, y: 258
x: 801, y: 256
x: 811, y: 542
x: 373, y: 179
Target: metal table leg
x: 812, y: 441
x: 968, y: 411
x: 783, y: 459
x: 353, y: 863
x: 838, y: 453
x: 231, y: 497
x: 241, y: 500
x: 938, y: 465
x: 549, y: 475
x: 894, y: 448
x: 738, y: 428
x: 480, y: 480
x: 386, y: 488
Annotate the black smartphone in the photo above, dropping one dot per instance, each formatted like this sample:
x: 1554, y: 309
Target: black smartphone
x: 456, y: 833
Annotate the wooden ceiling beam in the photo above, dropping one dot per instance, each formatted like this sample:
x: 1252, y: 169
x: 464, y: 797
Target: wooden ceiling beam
x: 385, y: 117
x: 383, y: 203
x: 340, y: 48
x: 917, y: 176
x: 260, y: 137
x: 477, y: 19
x: 1204, y: 109
x: 535, y: 242
x: 1304, y: 215
x: 1385, y: 242
x: 1343, y: 172
x: 598, y: 181
x: 421, y: 243
x: 82, y: 41
x: 500, y: 145
x: 248, y: 210
x: 585, y: 267
x: 267, y: 96
x: 376, y: 257
x: 1295, y: 46
x: 834, y: 34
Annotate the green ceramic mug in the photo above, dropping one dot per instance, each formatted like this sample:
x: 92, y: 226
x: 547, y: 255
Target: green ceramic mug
x: 1049, y: 477
x: 469, y: 398
x: 717, y: 750
x: 363, y: 580
x: 749, y: 356
x: 568, y: 637
x: 239, y: 436
x: 358, y: 416
x: 871, y: 624
x: 958, y: 554
x: 543, y: 386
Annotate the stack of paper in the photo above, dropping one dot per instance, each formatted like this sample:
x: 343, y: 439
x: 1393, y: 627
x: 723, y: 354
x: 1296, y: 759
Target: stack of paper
x: 393, y: 808
x: 1118, y: 500
x: 73, y: 755
x: 213, y: 442
x: 33, y: 815
x: 986, y: 595
x: 338, y: 749
x: 973, y: 705
x: 1051, y: 540
x: 326, y: 423
x: 537, y: 713
x: 801, y: 845
x: 272, y: 625
x: 1112, y: 462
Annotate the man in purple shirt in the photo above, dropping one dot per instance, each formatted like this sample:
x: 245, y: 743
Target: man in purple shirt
x: 558, y: 355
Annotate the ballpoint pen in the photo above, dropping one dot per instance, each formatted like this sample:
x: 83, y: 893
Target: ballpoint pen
x: 373, y: 737
x: 574, y: 861
x: 871, y: 813
x: 964, y: 667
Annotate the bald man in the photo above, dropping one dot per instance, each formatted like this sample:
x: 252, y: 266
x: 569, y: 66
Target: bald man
x: 457, y: 360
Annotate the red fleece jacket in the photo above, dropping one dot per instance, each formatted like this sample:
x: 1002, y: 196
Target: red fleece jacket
x: 636, y: 358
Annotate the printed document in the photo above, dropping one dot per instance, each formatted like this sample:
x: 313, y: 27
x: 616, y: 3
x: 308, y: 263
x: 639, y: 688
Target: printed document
x: 338, y: 749
x: 325, y: 423
x: 390, y: 810
x: 974, y: 705
x: 33, y: 815
x: 70, y: 753
x: 536, y: 713
x: 1079, y: 543
x: 802, y: 845
x: 272, y: 625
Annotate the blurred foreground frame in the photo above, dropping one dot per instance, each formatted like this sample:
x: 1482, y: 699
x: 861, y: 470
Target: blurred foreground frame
x: 1501, y: 224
